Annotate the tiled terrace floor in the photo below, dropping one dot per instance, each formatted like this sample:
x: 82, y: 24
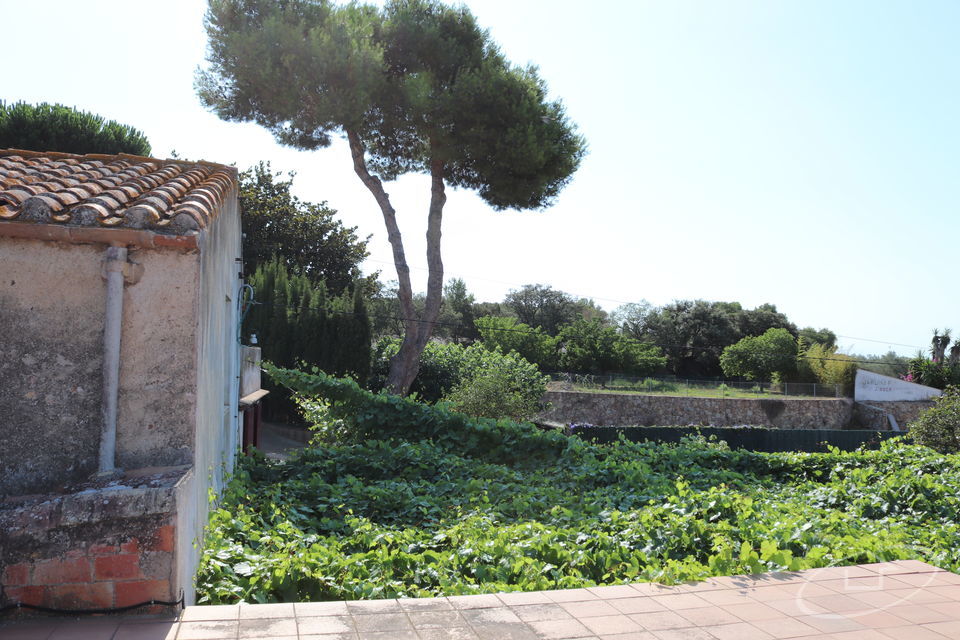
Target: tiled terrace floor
x: 904, y: 600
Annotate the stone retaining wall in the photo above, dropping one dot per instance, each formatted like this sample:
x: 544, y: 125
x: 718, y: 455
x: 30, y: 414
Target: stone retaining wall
x: 618, y: 409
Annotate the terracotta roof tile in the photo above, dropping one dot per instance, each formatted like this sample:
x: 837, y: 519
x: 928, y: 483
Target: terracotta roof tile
x: 167, y: 196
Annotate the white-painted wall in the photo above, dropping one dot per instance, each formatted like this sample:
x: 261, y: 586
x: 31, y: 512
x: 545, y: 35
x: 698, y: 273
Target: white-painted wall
x: 873, y: 387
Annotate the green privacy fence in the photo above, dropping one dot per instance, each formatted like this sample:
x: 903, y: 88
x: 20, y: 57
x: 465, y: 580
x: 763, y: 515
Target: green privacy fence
x: 754, y: 439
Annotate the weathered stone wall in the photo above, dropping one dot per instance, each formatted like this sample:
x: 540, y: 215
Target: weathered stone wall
x: 52, y: 298
x: 217, y: 434
x: 871, y: 414
x: 616, y: 409
x: 51, y: 353
x: 158, y: 361
x: 108, y: 544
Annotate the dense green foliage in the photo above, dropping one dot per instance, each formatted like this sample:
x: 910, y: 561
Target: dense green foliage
x: 825, y: 365
x: 693, y: 333
x: 761, y: 357
x: 305, y: 236
x: 55, y: 127
x: 586, y: 346
x: 296, y: 320
x: 532, y: 343
x: 939, y: 426
x: 422, y: 501
x: 446, y: 366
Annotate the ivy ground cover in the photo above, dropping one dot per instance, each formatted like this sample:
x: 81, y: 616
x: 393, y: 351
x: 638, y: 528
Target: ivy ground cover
x: 419, y: 501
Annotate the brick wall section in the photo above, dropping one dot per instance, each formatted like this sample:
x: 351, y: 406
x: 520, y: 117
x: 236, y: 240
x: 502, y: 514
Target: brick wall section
x: 98, y: 547
x: 136, y: 570
x: 616, y: 409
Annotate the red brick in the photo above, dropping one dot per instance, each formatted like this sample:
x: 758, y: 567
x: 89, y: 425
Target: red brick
x: 74, y: 553
x: 120, y: 567
x: 81, y: 596
x: 141, y: 591
x: 27, y: 595
x: 16, y: 574
x: 130, y: 546
x: 163, y: 538
x: 103, y: 549
x: 62, y: 571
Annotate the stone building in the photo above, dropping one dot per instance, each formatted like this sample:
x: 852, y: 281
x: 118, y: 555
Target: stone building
x: 119, y: 362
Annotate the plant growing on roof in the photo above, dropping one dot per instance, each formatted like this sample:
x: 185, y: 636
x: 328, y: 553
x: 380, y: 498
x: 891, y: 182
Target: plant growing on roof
x: 414, y: 86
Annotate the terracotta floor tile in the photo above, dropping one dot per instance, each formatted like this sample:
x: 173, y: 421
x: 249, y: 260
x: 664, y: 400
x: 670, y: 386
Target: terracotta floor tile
x: 637, y: 635
x: 753, y: 611
x: 570, y: 595
x: 874, y: 583
x: 524, y: 597
x: 880, y: 599
x: 766, y: 593
x: 268, y: 627
x: 367, y: 607
x: 725, y: 597
x: 916, y: 565
x: 615, y: 591
x: 949, y: 629
x: 556, y: 629
x: 681, y: 601
x: 85, y: 629
x: 880, y: 619
x: 830, y: 623
x: 642, y: 604
x: 424, y: 604
x: 502, y: 615
x: 27, y: 630
x: 211, y: 612
x: 950, y: 592
x: 837, y: 603
x: 656, y: 620
x: 708, y: 616
x: 913, y: 632
x: 450, y: 633
x: 277, y: 610
x: 313, y: 609
x: 738, y: 631
x: 589, y: 609
x: 864, y: 634
x: 611, y: 624
x: 914, y: 595
x: 395, y: 634
x: 436, y: 619
x: 654, y: 589
x: 481, y: 601
x: 948, y: 608
x: 145, y: 631
x: 325, y: 624
x: 381, y: 622
x: 344, y: 635
x: 504, y: 631
x: 534, y: 612
x: 920, y: 613
x: 208, y: 629
x: 783, y: 628
x: 936, y: 579
x: 795, y: 607
x: 689, y: 633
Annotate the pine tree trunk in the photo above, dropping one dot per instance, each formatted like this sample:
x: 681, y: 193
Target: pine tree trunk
x: 406, y: 364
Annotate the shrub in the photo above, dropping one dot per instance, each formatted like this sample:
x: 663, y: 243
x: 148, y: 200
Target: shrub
x: 495, y: 393
x: 448, y: 367
x: 55, y: 127
x: 939, y: 426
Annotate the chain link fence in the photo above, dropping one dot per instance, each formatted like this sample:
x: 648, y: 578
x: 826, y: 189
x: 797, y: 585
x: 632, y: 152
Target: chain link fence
x: 672, y: 386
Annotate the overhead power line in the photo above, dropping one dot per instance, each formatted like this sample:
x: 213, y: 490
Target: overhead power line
x: 534, y: 331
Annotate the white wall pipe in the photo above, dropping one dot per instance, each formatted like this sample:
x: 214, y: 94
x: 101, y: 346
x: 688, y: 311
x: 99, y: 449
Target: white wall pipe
x: 114, y: 261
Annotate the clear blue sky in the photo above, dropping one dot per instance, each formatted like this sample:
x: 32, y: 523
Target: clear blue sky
x: 803, y: 152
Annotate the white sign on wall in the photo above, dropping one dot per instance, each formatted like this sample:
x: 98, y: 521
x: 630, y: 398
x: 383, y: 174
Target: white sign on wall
x: 877, y: 388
